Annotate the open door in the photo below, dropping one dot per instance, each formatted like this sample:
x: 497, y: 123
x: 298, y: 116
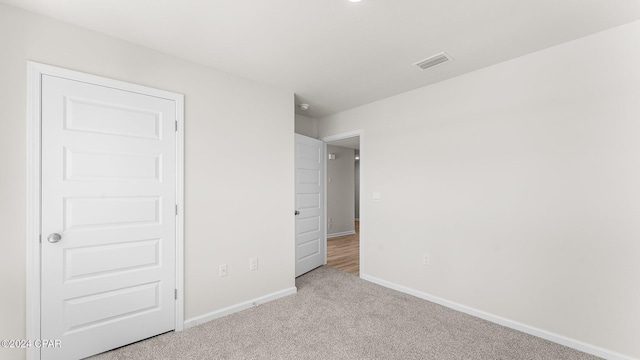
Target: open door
x: 309, y: 189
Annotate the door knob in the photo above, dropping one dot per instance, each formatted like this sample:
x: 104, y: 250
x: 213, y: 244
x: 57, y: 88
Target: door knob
x: 54, y: 238
x: 296, y: 213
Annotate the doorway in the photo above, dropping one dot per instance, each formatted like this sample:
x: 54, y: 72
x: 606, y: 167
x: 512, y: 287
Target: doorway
x: 343, y: 201
x: 104, y: 240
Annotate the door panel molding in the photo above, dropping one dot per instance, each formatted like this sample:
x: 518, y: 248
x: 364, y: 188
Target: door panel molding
x: 35, y: 71
x: 310, y: 228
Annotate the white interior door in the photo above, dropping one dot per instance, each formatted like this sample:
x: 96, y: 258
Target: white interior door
x: 310, y: 225
x: 109, y: 191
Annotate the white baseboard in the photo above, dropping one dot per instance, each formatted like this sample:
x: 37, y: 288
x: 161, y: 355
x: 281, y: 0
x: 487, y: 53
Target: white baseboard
x: 238, y: 307
x: 559, y: 339
x: 350, y: 232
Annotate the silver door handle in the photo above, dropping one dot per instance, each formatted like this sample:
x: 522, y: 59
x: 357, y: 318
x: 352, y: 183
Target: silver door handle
x: 296, y: 213
x: 54, y: 238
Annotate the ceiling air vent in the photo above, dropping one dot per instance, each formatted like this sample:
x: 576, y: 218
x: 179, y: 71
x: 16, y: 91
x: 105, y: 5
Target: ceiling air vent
x: 434, y: 60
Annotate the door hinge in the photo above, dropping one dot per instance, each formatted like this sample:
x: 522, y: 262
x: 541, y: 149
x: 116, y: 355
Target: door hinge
x: 175, y: 294
x: 176, y: 209
x: 176, y: 125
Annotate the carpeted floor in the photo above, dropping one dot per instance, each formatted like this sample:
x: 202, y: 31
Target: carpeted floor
x: 335, y: 315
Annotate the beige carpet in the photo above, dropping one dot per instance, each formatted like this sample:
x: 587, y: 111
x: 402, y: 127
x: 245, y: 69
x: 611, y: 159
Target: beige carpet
x: 335, y: 315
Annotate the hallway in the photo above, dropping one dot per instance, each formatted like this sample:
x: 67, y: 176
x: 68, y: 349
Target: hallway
x: 343, y: 252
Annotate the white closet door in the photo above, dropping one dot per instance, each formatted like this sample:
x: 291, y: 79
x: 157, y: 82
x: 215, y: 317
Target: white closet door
x: 108, y: 217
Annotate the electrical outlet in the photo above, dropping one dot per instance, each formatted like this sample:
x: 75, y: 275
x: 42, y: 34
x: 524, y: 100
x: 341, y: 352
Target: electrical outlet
x: 223, y: 270
x: 426, y: 259
x: 253, y: 264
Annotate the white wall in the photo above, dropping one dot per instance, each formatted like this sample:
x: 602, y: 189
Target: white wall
x: 522, y: 181
x: 340, y: 190
x: 306, y: 126
x: 229, y: 217
x: 356, y: 189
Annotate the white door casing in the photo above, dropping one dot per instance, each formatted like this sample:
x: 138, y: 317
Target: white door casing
x: 111, y: 183
x: 310, y: 213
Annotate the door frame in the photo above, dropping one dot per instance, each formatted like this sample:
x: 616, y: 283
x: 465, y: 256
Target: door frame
x: 345, y: 135
x: 35, y: 71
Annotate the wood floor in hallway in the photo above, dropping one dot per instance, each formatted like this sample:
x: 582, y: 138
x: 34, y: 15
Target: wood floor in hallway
x: 343, y: 252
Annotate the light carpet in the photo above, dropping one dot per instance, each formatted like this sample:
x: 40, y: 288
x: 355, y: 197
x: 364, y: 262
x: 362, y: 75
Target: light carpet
x: 335, y: 315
